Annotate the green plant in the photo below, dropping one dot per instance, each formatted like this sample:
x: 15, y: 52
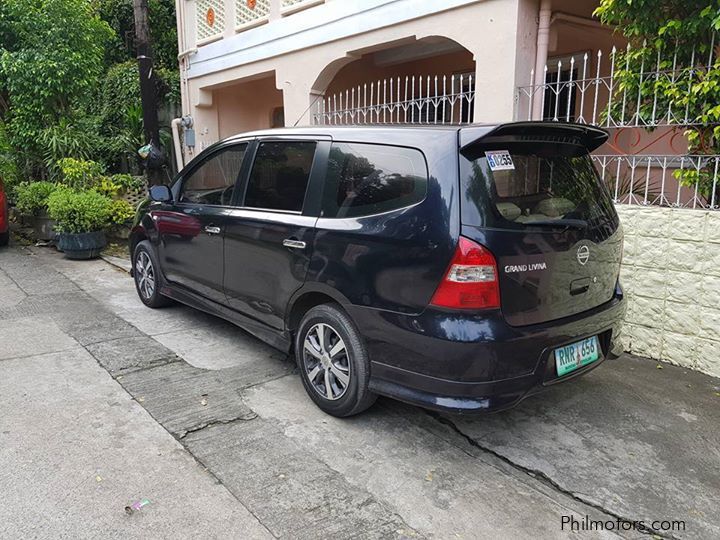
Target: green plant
x: 128, y: 182
x: 76, y: 137
x: 679, y: 39
x: 32, y: 197
x: 51, y: 58
x: 105, y: 186
x: 121, y: 212
x: 79, y: 174
x: 163, y: 28
x: 79, y: 211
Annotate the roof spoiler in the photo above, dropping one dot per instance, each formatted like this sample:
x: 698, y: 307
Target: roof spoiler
x: 581, y: 136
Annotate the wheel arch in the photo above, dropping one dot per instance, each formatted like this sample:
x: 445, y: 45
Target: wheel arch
x: 307, y: 298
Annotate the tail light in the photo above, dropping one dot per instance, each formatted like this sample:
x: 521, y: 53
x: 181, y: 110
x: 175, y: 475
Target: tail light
x: 471, y: 282
x: 4, y: 218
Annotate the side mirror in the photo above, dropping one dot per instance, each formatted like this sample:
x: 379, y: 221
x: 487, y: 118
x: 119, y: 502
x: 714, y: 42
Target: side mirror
x: 161, y: 194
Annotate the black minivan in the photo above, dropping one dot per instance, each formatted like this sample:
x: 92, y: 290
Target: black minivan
x: 456, y: 268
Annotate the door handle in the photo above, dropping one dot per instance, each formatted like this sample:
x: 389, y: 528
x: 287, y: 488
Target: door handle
x: 295, y: 244
x: 212, y: 230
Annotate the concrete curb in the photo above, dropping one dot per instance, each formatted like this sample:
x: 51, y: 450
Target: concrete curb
x: 117, y: 262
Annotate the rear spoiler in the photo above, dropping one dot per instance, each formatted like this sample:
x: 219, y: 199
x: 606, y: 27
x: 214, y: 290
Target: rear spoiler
x: 581, y: 136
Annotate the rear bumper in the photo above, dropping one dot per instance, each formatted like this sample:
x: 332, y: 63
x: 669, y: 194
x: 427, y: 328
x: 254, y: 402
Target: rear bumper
x: 470, y: 363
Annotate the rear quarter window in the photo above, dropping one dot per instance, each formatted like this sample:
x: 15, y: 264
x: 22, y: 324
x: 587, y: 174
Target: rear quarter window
x: 366, y: 179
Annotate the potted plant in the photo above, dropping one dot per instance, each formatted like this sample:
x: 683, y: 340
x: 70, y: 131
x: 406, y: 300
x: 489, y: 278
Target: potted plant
x: 32, y: 200
x: 81, y: 217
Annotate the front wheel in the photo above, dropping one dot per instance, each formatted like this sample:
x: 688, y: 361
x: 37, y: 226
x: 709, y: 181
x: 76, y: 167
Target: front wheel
x: 333, y: 363
x: 147, y: 276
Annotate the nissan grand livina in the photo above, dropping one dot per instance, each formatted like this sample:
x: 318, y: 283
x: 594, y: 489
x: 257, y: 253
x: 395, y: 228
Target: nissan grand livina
x: 456, y: 268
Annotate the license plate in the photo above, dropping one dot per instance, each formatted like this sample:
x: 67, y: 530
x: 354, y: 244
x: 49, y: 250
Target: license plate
x: 576, y: 355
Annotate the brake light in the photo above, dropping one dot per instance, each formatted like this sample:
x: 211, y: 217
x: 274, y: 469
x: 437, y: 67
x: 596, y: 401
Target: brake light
x: 4, y: 218
x: 471, y: 282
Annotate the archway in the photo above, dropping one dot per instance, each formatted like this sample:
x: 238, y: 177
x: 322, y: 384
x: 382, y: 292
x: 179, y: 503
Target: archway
x: 430, y: 80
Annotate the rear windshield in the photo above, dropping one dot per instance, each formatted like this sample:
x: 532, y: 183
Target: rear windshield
x: 509, y: 189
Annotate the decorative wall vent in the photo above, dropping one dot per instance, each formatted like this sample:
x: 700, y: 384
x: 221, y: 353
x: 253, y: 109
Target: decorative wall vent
x: 250, y: 12
x: 210, y: 19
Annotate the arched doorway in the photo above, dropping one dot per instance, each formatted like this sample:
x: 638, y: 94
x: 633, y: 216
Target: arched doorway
x: 430, y: 80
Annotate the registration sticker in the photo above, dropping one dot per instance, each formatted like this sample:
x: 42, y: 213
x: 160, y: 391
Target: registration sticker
x: 500, y: 160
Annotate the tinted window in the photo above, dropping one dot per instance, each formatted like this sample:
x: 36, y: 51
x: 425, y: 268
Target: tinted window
x: 518, y: 188
x: 365, y: 179
x: 280, y: 176
x: 213, y: 182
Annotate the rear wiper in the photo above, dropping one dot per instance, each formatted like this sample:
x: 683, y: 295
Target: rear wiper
x: 559, y: 223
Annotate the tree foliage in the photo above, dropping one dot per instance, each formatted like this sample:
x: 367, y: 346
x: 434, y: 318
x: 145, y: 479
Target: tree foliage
x: 163, y: 29
x: 680, y: 41
x: 684, y: 36
x: 50, y: 63
x: 69, y: 84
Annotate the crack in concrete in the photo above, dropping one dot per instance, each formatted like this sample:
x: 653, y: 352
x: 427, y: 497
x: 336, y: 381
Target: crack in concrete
x: 542, y: 477
x: 137, y: 369
x: 244, y: 418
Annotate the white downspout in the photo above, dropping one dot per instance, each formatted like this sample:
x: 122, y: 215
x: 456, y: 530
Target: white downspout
x: 175, y: 124
x: 541, y: 55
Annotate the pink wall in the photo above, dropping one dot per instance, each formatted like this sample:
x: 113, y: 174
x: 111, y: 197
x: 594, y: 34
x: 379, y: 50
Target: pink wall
x: 246, y: 106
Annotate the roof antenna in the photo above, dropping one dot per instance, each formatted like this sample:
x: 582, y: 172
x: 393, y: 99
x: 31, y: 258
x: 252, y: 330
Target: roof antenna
x: 306, y: 110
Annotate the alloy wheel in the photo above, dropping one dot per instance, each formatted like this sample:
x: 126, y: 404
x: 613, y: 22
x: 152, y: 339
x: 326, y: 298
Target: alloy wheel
x: 326, y: 361
x: 145, y: 275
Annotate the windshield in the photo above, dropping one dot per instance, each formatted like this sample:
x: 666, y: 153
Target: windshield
x: 514, y: 190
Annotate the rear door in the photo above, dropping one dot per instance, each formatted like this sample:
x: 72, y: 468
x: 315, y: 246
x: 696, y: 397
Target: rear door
x: 387, y: 226
x: 531, y: 194
x: 269, y: 238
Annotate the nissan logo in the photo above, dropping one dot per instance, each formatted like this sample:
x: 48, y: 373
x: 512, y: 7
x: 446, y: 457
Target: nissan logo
x: 583, y: 255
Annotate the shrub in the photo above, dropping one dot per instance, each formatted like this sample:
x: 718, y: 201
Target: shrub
x: 79, y: 211
x: 105, y: 186
x: 33, y: 197
x: 76, y: 136
x: 121, y: 212
x: 80, y: 174
x: 128, y: 182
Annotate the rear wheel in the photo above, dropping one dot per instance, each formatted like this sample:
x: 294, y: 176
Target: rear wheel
x: 147, y: 276
x: 4, y: 238
x: 333, y: 363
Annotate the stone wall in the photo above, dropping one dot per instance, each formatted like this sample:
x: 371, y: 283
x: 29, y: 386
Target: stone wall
x: 671, y: 276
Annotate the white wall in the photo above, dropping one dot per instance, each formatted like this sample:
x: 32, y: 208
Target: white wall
x: 671, y: 275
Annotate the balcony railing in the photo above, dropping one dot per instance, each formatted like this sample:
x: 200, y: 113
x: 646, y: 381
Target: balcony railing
x: 603, y: 88
x: 447, y: 99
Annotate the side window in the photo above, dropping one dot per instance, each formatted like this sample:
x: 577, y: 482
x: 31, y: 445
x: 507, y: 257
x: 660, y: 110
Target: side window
x: 280, y: 175
x: 365, y: 179
x: 213, y: 181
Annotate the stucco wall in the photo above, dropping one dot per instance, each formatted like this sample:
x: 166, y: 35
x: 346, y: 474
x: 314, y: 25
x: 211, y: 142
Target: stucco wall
x: 671, y: 275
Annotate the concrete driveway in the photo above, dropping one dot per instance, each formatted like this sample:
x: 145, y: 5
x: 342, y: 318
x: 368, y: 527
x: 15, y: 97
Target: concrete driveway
x: 106, y: 403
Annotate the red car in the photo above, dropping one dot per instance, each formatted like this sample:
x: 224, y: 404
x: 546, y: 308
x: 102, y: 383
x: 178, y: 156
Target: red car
x: 4, y: 217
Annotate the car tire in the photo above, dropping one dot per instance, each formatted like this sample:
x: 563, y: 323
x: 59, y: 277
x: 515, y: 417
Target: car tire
x: 336, y: 355
x: 146, y: 272
x: 4, y: 238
